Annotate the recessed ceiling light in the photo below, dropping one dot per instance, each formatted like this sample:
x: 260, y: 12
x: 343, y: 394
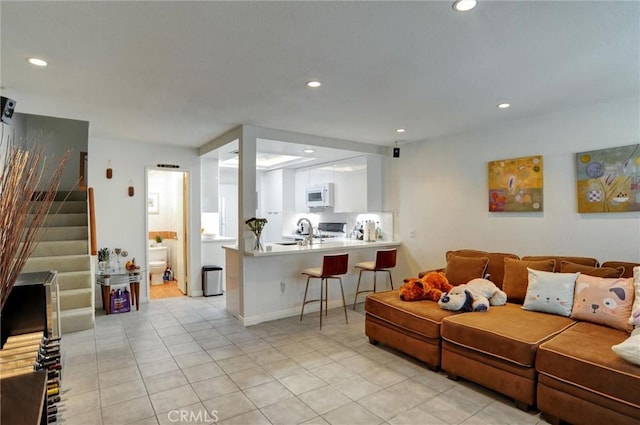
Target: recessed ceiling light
x: 314, y: 84
x: 308, y: 150
x: 503, y: 105
x: 464, y: 5
x: 400, y: 130
x: 37, y: 61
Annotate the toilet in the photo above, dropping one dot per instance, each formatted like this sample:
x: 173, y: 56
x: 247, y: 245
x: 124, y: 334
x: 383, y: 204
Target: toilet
x: 157, y: 263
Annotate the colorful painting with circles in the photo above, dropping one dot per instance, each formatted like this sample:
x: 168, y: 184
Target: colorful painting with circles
x: 515, y: 185
x: 609, y: 180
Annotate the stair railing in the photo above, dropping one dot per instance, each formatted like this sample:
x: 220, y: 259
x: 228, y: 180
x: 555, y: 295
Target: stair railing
x: 92, y: 223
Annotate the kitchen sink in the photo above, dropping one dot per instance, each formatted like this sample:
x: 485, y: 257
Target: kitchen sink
x: 286, y: 243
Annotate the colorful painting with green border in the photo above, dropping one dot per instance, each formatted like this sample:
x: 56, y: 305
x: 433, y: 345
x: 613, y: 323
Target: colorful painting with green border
x: 515, y: 185
x: 609, y: 180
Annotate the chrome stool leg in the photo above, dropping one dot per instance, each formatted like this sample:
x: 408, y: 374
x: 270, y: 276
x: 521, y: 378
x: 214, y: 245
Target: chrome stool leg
x: 357, y: 290
x: 322, y: 282
x: 304, y: 301
x: 375, y: 276
x: 344, y: 305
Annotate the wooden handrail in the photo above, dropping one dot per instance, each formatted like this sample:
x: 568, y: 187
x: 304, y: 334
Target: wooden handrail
x: 92, y: 223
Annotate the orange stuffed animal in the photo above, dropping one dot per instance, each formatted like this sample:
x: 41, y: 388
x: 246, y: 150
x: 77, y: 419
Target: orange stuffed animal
x: 429, y: 287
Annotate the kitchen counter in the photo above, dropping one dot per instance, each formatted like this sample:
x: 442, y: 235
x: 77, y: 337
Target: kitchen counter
x: 327, y: 245
x: 217, y: 239
x: 268, y: 285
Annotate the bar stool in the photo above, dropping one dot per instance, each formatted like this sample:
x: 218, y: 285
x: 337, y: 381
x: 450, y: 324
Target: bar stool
x: 333, y: 266
x: 385, y: 260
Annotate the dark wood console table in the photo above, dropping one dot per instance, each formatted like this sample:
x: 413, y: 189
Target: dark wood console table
x: 22, y: 399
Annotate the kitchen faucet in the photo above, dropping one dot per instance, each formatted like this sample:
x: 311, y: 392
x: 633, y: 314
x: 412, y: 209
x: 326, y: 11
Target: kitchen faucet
x: 308, y: 240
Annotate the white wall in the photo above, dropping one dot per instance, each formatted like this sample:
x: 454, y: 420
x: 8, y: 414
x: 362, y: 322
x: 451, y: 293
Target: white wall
x: 168, y: 186
x: 59, y: 135
x: 438, y: 189
x: 120, y: 219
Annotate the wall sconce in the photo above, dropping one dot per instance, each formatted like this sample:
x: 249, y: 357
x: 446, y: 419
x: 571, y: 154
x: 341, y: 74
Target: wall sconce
x: 131, y: 191
x: 109, y: 170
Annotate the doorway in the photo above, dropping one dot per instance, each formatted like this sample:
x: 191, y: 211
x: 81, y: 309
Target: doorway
x: 167, y: 233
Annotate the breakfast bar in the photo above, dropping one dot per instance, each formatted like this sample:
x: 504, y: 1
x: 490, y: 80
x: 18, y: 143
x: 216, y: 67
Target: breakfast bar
x: 266, y: 285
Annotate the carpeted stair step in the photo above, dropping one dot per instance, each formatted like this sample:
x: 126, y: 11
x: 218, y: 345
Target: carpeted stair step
x: 67, y: 219
x: 61, y: 263
x: 75, y: 280
x: 60, y: 207
x: 66, y: 233
x: 73, y: 195
x: 77, y: 319
x: 54, y: 248
x: 71, y: 299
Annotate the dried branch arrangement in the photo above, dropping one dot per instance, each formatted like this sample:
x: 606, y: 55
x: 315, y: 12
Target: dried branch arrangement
x: 26, y: 176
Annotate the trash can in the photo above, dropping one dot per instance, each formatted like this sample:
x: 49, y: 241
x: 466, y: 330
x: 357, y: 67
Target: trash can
x: 212, y: 280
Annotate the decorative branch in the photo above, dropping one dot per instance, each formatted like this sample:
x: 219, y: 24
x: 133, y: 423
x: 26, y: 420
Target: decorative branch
x: 24, y: 178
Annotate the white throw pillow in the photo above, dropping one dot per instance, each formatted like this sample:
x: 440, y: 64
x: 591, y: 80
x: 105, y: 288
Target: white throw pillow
x: 629, y: 349
x: 636, y: 302
x: 550, y: 292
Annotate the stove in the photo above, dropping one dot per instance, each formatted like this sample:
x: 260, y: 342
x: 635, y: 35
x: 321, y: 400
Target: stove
x: 331, y: 230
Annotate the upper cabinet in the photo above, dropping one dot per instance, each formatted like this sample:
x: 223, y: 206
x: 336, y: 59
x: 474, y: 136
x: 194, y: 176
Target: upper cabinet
x: 270, y: 189
x: 357, y: 184
x: 209, y: 185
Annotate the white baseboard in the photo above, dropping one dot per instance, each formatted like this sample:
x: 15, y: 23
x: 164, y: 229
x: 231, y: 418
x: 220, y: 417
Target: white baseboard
x: 254, y: 320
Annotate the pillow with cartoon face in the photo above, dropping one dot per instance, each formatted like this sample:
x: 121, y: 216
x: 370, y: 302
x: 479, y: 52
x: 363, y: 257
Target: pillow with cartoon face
x: 604, y: 301
x: 550, y: 292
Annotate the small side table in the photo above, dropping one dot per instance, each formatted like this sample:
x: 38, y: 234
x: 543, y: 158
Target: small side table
x: 120, y: 277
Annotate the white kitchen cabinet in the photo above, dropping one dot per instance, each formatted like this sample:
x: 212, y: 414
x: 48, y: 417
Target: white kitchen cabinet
x: 301, y: 181
x: 271, y: 189
x: 209, y: 185
x: 357, y: 184
x: 351, y: 185
x: 275, y: 196
x: 321, y: 174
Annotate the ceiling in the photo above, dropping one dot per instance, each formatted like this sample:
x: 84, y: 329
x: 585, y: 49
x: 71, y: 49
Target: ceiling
x: 183, y: 73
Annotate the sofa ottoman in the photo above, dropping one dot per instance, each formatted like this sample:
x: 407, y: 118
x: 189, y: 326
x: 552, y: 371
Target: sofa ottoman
x: 497, y: 349
x: 412, y: 327
x: 583, y: 381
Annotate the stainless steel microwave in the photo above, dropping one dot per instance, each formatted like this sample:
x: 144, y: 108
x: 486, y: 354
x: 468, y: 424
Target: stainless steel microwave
x: 320, y: 195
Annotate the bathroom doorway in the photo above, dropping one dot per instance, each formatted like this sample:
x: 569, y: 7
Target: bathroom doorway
x: 167, y: 233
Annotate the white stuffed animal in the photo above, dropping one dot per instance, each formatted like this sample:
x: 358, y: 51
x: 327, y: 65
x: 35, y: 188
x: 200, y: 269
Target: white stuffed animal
x: 476, y: 295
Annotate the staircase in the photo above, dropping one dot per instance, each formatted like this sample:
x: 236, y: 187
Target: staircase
x: 64, y: 248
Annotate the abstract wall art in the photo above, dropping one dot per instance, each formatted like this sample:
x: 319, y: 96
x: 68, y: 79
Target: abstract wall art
x: 608, y: 180
x: 515, y: 185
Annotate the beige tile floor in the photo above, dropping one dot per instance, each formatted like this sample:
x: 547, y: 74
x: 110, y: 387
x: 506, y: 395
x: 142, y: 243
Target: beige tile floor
x: 187, y: 361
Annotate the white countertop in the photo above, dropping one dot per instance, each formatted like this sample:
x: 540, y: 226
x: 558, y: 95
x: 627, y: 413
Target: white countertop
x: 205, y: 239
x: 332, y: 245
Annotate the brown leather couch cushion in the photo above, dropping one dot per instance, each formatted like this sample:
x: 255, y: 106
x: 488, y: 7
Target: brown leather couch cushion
x: 495, y: 268
x: 582, y: 356
x: 461, y: 270
x: 507, y: 332
x: 585, y: 261
x: 421, y: 317
x: 606, y: 272
x: 516, y: 276
x: 628, y: 267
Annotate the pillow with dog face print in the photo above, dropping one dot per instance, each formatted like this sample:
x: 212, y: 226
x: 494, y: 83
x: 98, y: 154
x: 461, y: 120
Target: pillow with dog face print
x: 604, y: 301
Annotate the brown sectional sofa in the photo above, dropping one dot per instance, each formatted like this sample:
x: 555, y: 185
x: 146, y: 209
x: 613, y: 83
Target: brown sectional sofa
x: 564, y: 367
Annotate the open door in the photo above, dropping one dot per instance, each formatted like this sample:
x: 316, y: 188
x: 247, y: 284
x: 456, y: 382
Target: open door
x: 168, y: 216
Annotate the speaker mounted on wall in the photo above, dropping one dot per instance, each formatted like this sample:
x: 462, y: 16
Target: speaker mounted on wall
x: 7, y: 106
